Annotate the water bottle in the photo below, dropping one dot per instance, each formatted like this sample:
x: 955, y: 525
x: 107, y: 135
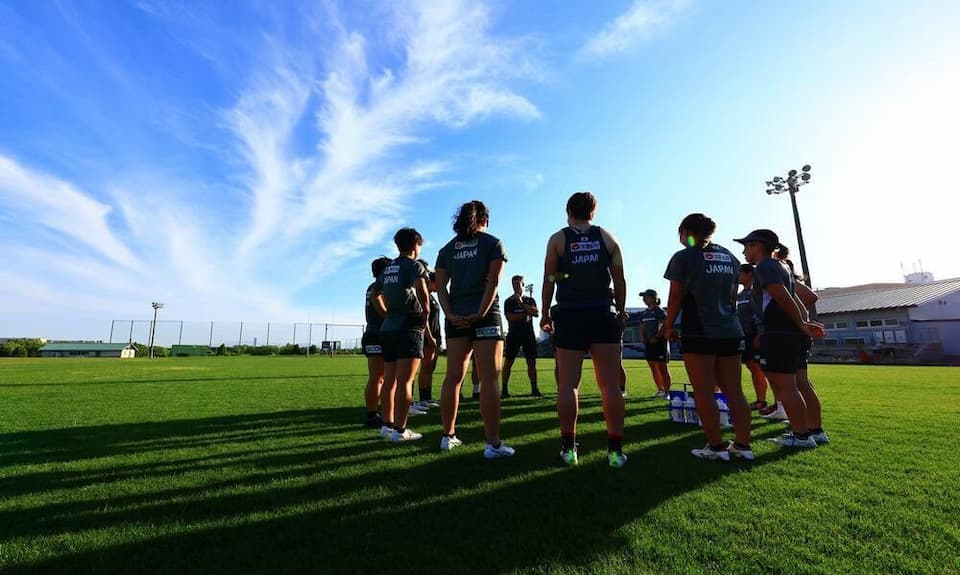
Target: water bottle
x: 676, y: 408
x: 724, y: 413
x: 690, y: 410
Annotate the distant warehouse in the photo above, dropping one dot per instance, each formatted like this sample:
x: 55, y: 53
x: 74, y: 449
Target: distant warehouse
x: 121, y: 350
x: 913, y: 322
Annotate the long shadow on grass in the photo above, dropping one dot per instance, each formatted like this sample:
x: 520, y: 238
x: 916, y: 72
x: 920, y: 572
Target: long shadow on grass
x: 458, y: 511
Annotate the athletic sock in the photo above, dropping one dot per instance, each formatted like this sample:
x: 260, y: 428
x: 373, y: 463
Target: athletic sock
x: 803, y: 436
x: 567, y: 441
x: 426, y: 394
x: 816, y: 430
x: 476, y: 390
x: 372, y: 414
x: 720, y: 447
x: 741, y: 446
x: 400, y: 430
x: 614, y: 443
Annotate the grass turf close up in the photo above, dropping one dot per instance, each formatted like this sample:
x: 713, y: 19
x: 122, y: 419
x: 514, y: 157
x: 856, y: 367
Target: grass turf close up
x: 259, y: 465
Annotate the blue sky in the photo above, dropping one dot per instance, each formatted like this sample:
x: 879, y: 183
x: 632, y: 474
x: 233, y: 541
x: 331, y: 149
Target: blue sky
x: 246, y: 161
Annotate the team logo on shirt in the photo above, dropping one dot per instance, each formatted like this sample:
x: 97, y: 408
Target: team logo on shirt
x: 390, y: 274
x: 579, y: 249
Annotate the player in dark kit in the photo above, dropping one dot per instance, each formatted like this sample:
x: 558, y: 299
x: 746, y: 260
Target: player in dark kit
x: 374, y: 312
x: 468, y: 273
x: 785, y: 331
x: 430, y: 352
x: 403, y: 288
x: 581, y: 261
x: 703, y: 284
x: 748, y: 323
x: 519, y: 311
x: 655, y: 347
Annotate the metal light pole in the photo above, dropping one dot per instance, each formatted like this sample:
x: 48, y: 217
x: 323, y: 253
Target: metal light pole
x: 153, y: 327
x: 791, y: 184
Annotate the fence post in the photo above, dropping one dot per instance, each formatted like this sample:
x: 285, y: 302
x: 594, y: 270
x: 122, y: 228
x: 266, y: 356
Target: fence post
x: 111, y: 329
x: 211, y: 335
x: 268, y: 333
x: 180, y: 337
x: 240, y: 341
x: 131, y: 332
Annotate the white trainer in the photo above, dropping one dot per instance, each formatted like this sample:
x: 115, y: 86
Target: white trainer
x: 416, y: 410
x: 491, y: 452
x: 745, y: 454
x: 791, y: 440
x: 778, y: 415
x: 407, y: 435
x: 385, y: 432
x: 448, y: 443
x: 821, y: 438
x: 709, y: 454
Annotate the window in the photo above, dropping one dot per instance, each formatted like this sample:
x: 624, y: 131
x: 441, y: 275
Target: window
x: 841, y: 325
x: 862, y: 324
x: 876, y: 323
x: 891, y: 322
x: 828, y: 325
x: 830, y: 341
x: 853, y: 341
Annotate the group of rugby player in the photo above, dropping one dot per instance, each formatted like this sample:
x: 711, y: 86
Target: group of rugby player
x: 583, y: 301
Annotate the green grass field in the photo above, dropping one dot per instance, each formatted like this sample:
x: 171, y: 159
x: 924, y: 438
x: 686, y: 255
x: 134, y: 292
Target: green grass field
x: 259, y: 465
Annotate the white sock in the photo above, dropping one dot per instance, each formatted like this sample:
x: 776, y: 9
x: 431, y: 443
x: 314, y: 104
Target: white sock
x: 476, y: 389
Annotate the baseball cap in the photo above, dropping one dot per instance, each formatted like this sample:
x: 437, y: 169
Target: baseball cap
x: 763, y: 236
x: 649, y: 292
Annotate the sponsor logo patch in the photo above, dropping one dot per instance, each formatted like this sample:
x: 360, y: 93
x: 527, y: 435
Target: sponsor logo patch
x: 585, y: 247
x: 467, y: 244
x: 717, y: 257
x: 371, y: 349
x: 488, y: 331
x: 392, y: 269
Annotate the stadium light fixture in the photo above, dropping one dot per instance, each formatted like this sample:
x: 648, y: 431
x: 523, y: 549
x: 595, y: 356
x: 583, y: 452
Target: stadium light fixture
x: 791, y: 184
x: 153, y: 326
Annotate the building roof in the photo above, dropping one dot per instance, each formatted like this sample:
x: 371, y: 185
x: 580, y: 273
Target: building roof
x: 85, y: 347
x: 882, y: 296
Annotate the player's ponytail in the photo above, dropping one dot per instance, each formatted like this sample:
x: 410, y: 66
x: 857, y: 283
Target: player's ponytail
x: 470, y: 218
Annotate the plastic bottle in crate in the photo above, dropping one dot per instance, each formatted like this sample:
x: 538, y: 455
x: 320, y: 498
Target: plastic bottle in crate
x: 724, y: 412
x: 690, y: 410
x: 676, y: 406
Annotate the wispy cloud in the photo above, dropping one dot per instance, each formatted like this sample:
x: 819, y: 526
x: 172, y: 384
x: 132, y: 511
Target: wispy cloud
x: 642, y: 20
x: 325, y: 147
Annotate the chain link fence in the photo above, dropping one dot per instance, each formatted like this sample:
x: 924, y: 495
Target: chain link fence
x: 235, y: 333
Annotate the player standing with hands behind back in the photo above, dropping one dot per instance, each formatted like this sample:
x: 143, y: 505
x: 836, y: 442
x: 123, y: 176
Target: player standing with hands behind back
x: 655, y: 347
x: 468, y: 273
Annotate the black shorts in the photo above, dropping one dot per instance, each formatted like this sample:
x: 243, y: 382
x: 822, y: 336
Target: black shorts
x: 805, y: 354
x: 490, y: 327
x: 523, y: 339
x: 725, y: 347
x: 750, y: 353
x: 782, y: 352
x: 371, y: 344
x: 579, y: 328
x: 656, y: 351
x: 404, y: 344
x: 436, y: 332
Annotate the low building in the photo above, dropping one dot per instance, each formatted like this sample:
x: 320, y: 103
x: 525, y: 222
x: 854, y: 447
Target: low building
x: 190, y: 351
x: 121, y: 350
x: 911, y: 322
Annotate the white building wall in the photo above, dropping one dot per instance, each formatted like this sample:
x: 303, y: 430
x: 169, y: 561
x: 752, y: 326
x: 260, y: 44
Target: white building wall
x: 942, y: 308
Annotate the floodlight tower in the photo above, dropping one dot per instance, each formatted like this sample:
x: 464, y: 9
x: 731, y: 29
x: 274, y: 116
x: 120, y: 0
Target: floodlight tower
x: 791, y: 184
x: 153, y: 326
